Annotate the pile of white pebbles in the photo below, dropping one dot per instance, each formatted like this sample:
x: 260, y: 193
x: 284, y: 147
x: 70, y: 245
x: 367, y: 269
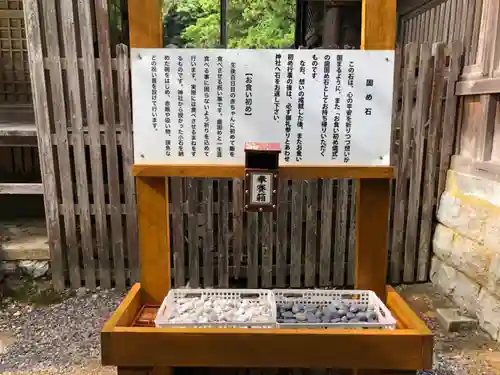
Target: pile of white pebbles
x: 213, y: 309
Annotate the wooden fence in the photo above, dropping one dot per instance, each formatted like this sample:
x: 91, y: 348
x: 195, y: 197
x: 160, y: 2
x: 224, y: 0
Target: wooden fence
x: 81, y: 93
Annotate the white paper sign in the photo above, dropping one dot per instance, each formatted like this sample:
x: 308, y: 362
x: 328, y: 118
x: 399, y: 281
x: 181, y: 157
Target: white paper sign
x: 200, y: 106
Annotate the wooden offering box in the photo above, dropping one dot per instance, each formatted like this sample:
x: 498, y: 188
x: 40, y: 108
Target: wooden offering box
x: 143, y: 350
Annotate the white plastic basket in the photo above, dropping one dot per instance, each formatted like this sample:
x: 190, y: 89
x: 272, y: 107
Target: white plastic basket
x: 323, y: 298
x: 253, y: 296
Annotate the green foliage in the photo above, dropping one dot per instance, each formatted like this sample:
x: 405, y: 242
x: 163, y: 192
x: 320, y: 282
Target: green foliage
x: 250, y: 23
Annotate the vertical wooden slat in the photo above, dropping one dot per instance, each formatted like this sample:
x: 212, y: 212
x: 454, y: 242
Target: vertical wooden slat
x: 178, y: 231
x: 469, y: 24
x: 108, y: 106
x: 411, y: 51
x: 223, y: 230
x: 432, y: 24
x: 441, y: 20
x: 123, y: 83
x: 282, y: 235
x: 267, y: 250
x: 92, y: 110
x: 449, y: 118
x: 296, y: 234
x: 208, y: 238
x: 339, y: 254
x: 416, y: 169
x: 154, y: 238
x: 372, y: 205
x: 447, y: 19
x: 192, y: 232
x: 40, y: 100
x: 311, y: 233
x: 476, y: 27
x: 76, y: 114
x: 377, y: 35
x: 451, y: 32
x: 325, y: 260
x: 49, y: 16
x: 252, y: 249
x: 237, y: 225
x: 429, y: 188
x: 351, y: 237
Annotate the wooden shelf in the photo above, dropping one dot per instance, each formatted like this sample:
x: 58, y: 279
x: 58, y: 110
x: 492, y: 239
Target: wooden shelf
x: 21, y: 188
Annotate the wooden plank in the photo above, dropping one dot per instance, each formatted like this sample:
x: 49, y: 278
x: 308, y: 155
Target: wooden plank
x: 237, y: 224
x: 96, y: 162
x: 282, y: 235
x: 208, y: 239
x: 286, y: 172
x: 449, y: 118
x: 266, y: 275
x: 255, y: 346
x: 467, y: 19
x: 378, y: 24
x: 446, y: 21
x: 145, y: 23
x: 429, y: 188
x: 432, y: 25
x: 112, y: 165
x: 154, y: 241
x: 296, y: 234
x: 311, y: 233
x: 453, y: 20
x: 223, y: 234
x: 339, y: 255
x: 325, y: 261
x: 252, y: 249
x: 192, y: 232
x: 21, y: 188
x: 75, y: 112
x: 40, y: 100
x: 49, y: 17
x: 351, y: 238
x: 372, y: 213
x: 178, y: 231
x: 478, y: 87
x: 441, y: 21
x: 411, y: 52
x: 476, y: 27
x: 123, y: 83
x: 424, y: 90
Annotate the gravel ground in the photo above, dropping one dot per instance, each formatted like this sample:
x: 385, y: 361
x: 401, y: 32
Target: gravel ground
x: 63, y: 338
x: 56, y: 337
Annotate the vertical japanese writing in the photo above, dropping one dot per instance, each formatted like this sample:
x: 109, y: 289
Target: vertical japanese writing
x: 324, y: 109
x: 288, y: 107
x: 154, y: 92
x: 349, y: 106
x: 219, y: 106
x: 261, y: 188
x: 232, y: 106
x: 248, y: 93
x: 337, y: 107
x: 277, y: 87
x: 193, y: 106
x: 369, y: 97
x: 315, y: 65
x: 167, y: 107
x: 206, y: 105
x: 300, y: 109
x: 180, y: 104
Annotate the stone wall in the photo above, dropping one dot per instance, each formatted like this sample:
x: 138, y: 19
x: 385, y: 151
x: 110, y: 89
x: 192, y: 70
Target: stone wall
x: 466, y: 244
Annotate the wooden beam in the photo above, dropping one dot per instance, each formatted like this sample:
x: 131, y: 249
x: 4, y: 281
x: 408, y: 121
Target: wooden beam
x: 286, y: 172
x: 478, y: 86
x: 154, y: 241
x: 378, y: 24
x: 145, y: 23
x: 19, y: 188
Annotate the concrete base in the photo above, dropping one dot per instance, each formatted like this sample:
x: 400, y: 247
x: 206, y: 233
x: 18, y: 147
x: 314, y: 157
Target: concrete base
x: 453, y: 321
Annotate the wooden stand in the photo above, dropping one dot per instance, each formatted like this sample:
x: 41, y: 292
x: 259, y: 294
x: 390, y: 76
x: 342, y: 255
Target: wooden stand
x: 409, y: 347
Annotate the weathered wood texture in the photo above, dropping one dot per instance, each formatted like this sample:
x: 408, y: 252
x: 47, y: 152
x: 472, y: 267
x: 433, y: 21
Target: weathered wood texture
x: 444, y: 21
x: 14, y: 66
x: 81, y: 95
x: 425, y: 124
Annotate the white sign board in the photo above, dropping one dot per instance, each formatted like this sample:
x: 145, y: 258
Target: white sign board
x: 200, y: 106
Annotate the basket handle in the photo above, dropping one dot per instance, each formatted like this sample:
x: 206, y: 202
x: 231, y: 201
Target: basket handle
x: 249, y: 295
x: 291, y: 295
x: 192, y: 295
x: 353, y: 296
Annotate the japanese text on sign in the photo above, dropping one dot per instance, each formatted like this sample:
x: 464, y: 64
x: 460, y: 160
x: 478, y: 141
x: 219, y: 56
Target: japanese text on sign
x: 325, y: 107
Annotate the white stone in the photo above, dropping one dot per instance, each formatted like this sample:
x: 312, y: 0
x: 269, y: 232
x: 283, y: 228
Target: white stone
x: 443, y: 276
x: 35, y: 268
x: 466, y: 293
x: 489, y: 313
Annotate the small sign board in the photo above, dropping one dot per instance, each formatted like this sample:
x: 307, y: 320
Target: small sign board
x: 200, y: 106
